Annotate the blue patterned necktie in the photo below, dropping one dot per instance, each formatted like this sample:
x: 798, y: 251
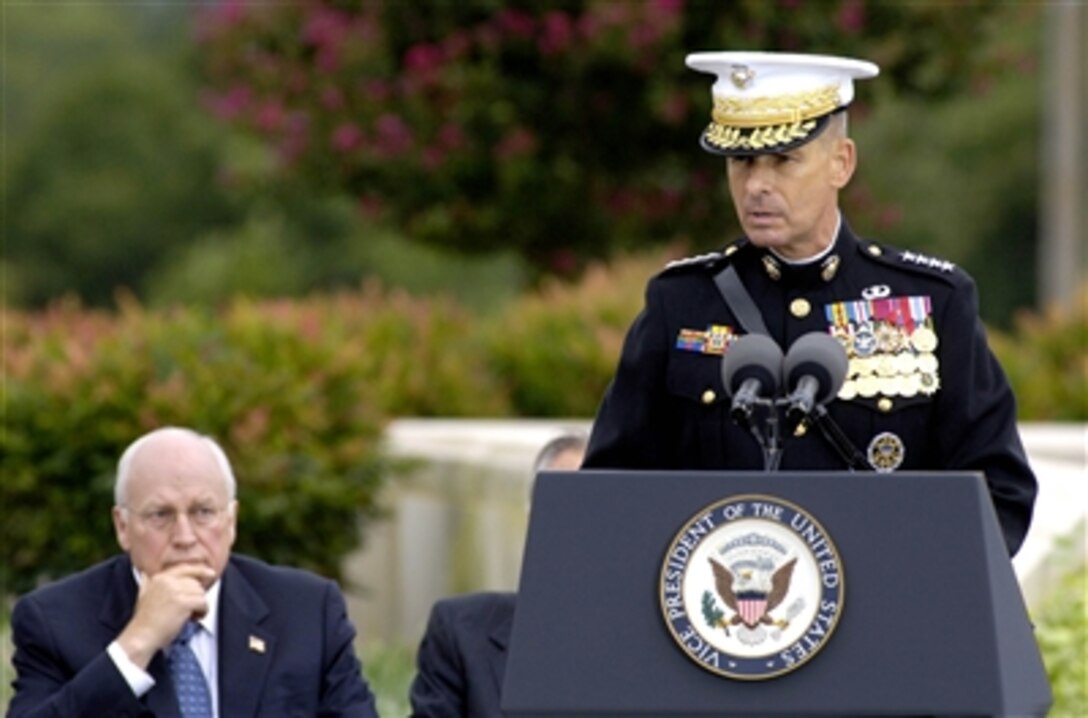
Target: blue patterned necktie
x: 194, y: 700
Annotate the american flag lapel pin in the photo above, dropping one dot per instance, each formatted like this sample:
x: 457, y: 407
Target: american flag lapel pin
x: 256, y: 644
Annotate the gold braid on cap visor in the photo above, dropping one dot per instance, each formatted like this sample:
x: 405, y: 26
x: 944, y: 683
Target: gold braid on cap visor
x: 773, y: 121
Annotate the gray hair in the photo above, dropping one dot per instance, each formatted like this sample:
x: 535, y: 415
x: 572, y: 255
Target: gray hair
x: 838, y: 125
x: 124, y: 466
x: 572, y: 440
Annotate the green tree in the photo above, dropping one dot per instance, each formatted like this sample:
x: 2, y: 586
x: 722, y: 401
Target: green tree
x: 957, y: 176
x: 565, y: 130
x: 118, y: 177
x: 117, y: 173
x: 387, y: 139
x: 47, y: 44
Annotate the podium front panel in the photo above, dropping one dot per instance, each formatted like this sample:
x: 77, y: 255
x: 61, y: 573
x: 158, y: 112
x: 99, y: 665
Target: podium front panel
x: 932, y: 620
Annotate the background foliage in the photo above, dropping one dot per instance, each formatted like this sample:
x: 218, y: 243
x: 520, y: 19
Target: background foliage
x: 556, y: 348
x: 300, y: 390
x: 1062, y: 630
x: 1046, y: 358
x: 278, y: 148
x: 480, y: 124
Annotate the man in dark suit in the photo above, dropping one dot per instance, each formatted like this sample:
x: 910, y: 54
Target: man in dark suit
x: 462, y: 657
x: 266, y: 640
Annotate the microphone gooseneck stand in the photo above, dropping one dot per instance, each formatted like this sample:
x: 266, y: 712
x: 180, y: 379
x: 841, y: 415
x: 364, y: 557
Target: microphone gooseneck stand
x: 855, y: 460
x: 770, y: 441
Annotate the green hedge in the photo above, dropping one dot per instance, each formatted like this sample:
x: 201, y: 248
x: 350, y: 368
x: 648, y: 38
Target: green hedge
x: 1062, y: 631
x: 299, y: 392
x: 556, y: 349
x: 1046, y: 358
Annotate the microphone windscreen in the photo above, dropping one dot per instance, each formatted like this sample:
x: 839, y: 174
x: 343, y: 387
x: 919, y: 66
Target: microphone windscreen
x: 752, y: 356
x: 820, y: 356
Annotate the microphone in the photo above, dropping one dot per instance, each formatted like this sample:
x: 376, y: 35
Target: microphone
x: 752, y: 367
x: 815, y: 368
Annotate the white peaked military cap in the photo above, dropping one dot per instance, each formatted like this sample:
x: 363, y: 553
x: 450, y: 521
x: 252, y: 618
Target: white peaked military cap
x: 769, y: 102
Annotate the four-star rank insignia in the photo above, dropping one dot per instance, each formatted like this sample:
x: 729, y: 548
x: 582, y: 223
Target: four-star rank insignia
x: 751, y: 587
x: 923, y: 260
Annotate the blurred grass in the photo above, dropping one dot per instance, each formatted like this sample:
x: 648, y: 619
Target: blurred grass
x: 389, y: 669
x: 1061, y: 628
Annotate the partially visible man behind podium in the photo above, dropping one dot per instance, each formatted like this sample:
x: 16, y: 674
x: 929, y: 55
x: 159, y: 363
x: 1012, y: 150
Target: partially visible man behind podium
x: 177, y: 626
x: 462, y: 657
x: 923, y: 390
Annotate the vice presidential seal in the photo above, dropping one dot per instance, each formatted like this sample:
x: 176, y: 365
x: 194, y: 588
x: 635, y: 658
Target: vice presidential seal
x: 751, y: 587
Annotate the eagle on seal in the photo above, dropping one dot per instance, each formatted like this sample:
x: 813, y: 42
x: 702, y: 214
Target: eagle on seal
x: 748, y: 594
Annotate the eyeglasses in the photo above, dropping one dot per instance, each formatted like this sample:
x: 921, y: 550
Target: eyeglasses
x: 166, y: 518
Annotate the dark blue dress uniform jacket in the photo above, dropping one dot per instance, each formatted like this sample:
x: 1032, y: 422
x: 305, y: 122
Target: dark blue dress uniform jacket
x: 667, y: 408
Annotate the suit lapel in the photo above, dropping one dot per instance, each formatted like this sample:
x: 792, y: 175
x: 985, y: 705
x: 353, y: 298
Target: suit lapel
x: 245, y: 649
x: 117, y: 607
x: 120, y: 599
x: 498, y: 639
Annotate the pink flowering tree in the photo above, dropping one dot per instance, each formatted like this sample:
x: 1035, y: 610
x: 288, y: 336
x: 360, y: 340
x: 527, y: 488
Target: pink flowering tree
x: 564, y: 130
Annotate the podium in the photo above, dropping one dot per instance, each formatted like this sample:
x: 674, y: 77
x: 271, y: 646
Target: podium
x: 931, y: 621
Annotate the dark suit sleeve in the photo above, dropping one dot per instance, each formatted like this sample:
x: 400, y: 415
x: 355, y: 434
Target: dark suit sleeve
x: 46, y: 684
x: 976, y: 412
x: 343, y: 690
x: 627, y: 432
x: 438, y: 690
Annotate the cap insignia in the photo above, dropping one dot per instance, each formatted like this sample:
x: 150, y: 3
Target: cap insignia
x: 742, y: 76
